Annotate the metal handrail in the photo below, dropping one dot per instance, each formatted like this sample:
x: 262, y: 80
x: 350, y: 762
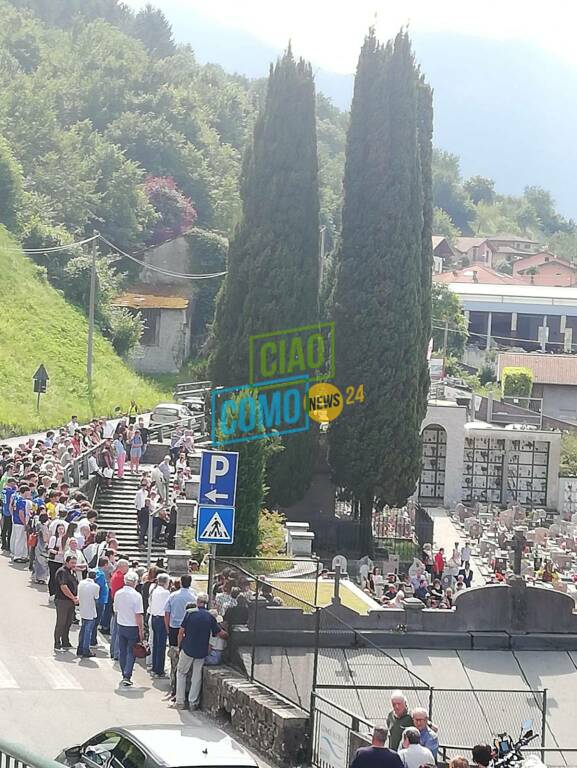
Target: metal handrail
x: 187, y: 422
x: 77, y: 470
x: 22, y: 757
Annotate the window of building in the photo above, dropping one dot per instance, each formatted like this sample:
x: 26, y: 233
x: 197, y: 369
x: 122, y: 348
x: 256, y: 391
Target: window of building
x: 151, y: 332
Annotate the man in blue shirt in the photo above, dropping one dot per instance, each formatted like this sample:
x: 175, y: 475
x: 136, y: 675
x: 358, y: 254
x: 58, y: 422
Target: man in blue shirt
x: 173, y: 616
x: 7, y: 493
x: 176, y: 608
x: 103, y: 596
x: 429, y: 738
x: 194, y: 636
x: 21, y: 510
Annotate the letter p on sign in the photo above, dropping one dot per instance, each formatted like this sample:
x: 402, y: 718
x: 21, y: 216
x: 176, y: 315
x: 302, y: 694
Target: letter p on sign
x: 219, y: 466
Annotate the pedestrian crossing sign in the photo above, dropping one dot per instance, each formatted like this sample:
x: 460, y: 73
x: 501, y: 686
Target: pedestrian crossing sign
x: 215, y: 525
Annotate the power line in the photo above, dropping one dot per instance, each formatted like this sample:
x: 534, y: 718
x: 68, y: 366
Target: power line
x: 167, y: 272
x: 51, y: 249
x: 495, y: 336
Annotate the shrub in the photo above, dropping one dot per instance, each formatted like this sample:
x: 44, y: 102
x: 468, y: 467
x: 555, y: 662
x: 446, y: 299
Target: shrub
x: 197, y: 551
x: 271, y: 532
x: 124, y: 329
x: 517, y: 382
x: 177, y: 213
x: 486, y: 374
x: 568, y: 455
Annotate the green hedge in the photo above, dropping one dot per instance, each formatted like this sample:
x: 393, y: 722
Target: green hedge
x: 517, y: 382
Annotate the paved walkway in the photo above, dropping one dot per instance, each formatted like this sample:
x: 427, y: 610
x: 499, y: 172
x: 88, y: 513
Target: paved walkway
x: 49, y: 701
x: 445, y: 534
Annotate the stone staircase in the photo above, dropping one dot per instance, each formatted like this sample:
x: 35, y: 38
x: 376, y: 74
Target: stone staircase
x: 116, y: 512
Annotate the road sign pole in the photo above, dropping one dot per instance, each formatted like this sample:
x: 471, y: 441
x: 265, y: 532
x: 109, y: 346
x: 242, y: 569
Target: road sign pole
x: 38, y: 403
x: 211, y: 568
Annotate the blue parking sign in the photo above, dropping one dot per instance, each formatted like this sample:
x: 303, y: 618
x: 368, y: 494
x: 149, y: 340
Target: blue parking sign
x: 218, y: 470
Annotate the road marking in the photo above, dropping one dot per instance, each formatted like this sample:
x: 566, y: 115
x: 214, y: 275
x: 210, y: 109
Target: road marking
x: 58, y: 677
x: 6, y: 679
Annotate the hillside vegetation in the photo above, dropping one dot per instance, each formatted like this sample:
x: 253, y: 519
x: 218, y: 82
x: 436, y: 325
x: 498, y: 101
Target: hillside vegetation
x: 38, y: 326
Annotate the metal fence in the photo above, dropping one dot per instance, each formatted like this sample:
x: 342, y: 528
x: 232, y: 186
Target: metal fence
x: 338, y: 729
x: 315, y: 655
x: 15, y: 756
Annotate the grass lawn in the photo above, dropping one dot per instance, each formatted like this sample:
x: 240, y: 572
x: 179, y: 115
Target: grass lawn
x: 38, y: 326
x: 304, y: 590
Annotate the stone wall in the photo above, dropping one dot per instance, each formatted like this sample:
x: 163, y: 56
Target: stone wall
x: 497, y: 615
x: 269, y: 723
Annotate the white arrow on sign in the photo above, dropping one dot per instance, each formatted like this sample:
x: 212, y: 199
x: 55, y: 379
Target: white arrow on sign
x: 213, y: 495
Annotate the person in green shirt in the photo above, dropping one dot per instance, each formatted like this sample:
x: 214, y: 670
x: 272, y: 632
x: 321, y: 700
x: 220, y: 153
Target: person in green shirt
x: 398, y: 719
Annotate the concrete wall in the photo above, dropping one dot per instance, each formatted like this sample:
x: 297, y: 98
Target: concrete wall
x: 172, y: 256
x: 560, y: 401
x: 537, y: 613
x: 517, y: 415
x: 452, y: 417
x: 173, y: 345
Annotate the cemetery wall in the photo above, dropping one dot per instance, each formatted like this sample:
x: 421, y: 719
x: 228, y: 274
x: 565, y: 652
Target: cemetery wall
x: 541, y: 616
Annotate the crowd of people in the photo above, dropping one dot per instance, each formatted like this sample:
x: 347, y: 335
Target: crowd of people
x: 432, y: 579
x: 55, y: 532
x: 409, y: 740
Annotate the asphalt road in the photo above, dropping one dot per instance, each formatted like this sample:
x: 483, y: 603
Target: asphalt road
x: 49, y: 701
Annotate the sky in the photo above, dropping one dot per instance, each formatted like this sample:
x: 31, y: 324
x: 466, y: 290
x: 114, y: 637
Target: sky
x: 329, y: 33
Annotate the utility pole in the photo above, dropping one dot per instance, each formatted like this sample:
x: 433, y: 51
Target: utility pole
x: 92, y: 300
x: 445, y: 339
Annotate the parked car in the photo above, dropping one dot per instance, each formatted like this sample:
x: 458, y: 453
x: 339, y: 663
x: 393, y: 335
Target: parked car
x: 168, y: 413
x: 194, y: 404
x: 159, y: 746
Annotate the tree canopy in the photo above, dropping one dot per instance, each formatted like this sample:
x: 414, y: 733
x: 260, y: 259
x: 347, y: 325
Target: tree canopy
x: 381, y: 300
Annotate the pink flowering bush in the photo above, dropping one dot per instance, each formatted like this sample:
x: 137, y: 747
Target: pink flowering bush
x: 176, y: 212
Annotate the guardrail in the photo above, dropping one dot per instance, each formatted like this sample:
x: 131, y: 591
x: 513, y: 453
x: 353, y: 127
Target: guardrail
x: 77, y: 470
x: 15, y: 756
x: 192, y: 388
x: 161, y: 431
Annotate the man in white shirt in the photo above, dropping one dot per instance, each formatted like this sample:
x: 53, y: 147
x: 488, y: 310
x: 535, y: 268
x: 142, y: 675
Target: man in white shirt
x: 466, y: 553
x: 88, y: 591
x: 129, y: 617
x: 73, y: 425
x: 108, y: 429
x: 158, y: 600
x: 161, y: 477
x: 412, y: 754
x: 141, y: 511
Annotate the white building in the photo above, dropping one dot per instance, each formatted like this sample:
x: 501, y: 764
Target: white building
x: 166, y: 312
x: 473, y: 461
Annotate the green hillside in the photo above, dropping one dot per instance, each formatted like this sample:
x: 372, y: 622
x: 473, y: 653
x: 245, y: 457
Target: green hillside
x: 38, y: 326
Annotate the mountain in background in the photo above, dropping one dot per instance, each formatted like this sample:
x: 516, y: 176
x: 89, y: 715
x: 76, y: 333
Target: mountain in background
x: 506, y: 108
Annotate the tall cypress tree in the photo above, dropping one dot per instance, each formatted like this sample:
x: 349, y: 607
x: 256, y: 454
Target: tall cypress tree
x: 382, y: 293
x: 273, y: 264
